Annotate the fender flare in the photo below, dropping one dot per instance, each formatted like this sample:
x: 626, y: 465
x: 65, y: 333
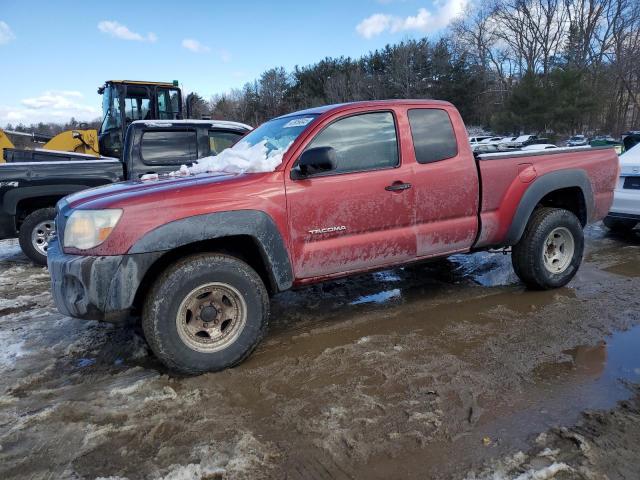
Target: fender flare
x: 253, y: 223
x: 13, y: 197
x: 541, y: 187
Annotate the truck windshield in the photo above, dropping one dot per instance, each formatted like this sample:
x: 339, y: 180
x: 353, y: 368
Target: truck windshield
x: 280, y: 133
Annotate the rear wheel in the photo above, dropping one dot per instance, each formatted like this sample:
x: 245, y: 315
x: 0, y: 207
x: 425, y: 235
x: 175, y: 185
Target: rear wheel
x: 206, y: 313
x: 619, y: 224
x: 35, y: 233
x: 550, y: 251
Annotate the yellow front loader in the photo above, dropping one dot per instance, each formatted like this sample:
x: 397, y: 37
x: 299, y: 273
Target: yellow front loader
x: 76, y: 141
x: 123, y: 101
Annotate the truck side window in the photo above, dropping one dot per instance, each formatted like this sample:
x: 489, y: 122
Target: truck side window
x: 362, y: 142
x: 168, y: 147
x: 432, y: 133
x: 220, y: 140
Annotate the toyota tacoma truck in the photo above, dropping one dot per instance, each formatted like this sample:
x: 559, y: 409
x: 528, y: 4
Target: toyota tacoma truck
x: 357, y: 187
x: 29, y: 190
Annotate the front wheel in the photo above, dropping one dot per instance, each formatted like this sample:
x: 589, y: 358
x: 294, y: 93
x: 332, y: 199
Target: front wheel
x: 550, y: 251
x: 205, y: 313
x: 35, y: 233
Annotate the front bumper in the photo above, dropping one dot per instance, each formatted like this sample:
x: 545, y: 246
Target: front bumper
x: 96, y: 288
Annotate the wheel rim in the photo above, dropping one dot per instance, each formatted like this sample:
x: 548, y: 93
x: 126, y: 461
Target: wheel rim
x: 558, y: 250
x: 41, y: 235
x: 211, y: 317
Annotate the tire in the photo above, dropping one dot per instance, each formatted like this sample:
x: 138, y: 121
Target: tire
x: 620, y: 225
x: 35, y: 232
x: 542, y: 265
x: 184, y: 314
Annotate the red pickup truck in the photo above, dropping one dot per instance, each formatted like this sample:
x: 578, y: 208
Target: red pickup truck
x: 360, y: 186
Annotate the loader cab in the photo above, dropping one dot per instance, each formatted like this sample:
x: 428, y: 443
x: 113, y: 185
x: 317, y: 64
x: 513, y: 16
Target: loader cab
x: 126, y: 101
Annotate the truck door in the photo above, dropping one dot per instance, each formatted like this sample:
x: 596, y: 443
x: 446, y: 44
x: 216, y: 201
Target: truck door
x: 446, y: 183
x: 359, y: 215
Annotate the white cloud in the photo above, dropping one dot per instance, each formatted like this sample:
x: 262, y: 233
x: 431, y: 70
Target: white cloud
x: 373, y: 25
x: 122, y: 32
x: 424, y: 21
x: 6, y: 35
x: 50, y: 106
x: 195, y: 46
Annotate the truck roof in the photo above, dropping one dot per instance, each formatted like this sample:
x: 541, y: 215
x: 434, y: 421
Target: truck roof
x: 142, y: 82
x: 366, y: 103
x: 212, y: 123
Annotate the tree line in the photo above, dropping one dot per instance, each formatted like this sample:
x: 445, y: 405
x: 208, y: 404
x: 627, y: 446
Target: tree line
x: 510, y: 66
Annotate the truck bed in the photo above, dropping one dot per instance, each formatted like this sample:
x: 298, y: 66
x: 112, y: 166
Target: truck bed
x: 20, y: 155
x: 506, y: 176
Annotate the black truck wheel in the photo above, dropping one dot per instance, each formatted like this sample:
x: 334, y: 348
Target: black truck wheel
x: 550, y: 251
x: 35, y: 232
x: 620, y: 225
x: 205, y: 313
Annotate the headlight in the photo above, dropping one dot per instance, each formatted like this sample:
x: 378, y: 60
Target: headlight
x: 89, y: 228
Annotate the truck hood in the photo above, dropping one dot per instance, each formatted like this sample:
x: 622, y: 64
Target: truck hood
x: 116, y: 191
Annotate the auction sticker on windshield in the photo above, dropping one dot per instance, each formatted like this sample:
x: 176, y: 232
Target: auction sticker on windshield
x: 298, y: 122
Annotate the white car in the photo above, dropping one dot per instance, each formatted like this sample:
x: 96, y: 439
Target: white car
x: 506, y: 143
x: 577, y: 141
x: 477, y: 139
x: 539, y: 146
x: 625, y: 211
x: 488, y: 145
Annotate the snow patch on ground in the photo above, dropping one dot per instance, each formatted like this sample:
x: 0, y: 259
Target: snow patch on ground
x: 247, y: 455
x: 380, y: 297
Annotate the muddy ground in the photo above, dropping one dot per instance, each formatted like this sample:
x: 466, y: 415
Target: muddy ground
x: 445, y: 370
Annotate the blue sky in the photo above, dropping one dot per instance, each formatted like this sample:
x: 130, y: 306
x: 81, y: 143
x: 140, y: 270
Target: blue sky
x: 54, y: 54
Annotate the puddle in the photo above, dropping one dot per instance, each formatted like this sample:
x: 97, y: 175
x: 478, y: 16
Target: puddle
x: 593, y: 377
x: 626, y: 269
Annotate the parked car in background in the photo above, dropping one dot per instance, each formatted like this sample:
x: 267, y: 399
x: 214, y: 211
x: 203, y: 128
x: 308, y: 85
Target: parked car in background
x: 606, y: 141
x: 538, y: 146
x: 625, y: 211
x: 521, y: 141
x: 577, y: 141
x: 475, y: 140
x: 29, y: 190
x: 355, y: 187
x: 506, y: 143
x: 487, y: 145
x: 630, y: 139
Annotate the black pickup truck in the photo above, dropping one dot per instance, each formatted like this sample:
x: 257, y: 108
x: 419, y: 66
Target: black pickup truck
x: 30, y: 190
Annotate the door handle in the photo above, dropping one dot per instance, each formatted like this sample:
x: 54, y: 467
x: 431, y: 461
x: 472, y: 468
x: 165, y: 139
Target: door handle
x: 397, y: 187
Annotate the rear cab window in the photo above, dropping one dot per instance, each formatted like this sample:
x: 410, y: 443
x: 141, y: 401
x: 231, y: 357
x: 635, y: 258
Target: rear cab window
x: 362, y: 142
x: 432, y: 134
x: 168, y: 147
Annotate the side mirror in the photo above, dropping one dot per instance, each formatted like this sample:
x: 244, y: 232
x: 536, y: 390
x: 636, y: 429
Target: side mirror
x: 317, y: 160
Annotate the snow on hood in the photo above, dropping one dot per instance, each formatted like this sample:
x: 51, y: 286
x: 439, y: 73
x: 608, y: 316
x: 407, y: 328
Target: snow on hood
x: 241, y: 158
